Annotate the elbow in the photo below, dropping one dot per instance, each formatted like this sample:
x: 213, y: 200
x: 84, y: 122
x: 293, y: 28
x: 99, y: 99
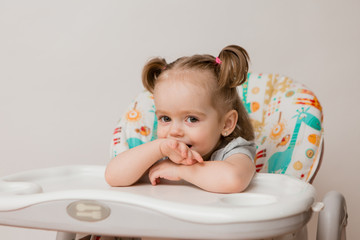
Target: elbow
x: 236, y: 187
x: 109, y: 178
x: 110, y: 181
x: 238, y: 182
x: 240, y: 187
x: 115, y: 179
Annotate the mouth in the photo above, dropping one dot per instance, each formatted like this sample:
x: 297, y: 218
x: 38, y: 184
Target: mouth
x: 189, y: 146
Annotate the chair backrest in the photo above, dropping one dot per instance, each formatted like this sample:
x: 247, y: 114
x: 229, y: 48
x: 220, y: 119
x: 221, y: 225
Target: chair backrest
x: 287, y: 119
x: 286, y: 115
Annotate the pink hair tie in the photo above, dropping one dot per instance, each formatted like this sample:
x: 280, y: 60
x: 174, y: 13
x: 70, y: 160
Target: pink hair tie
x: 218, y: 61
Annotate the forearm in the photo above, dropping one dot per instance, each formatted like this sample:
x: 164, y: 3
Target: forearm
x: 218, y: 176
x: 128, y: 167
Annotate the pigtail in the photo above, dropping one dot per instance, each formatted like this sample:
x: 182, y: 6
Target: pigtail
x: 151, y: 72
x: 234, y: 66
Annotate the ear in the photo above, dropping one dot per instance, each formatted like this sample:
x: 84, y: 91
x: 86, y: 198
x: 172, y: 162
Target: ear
x: 230, y: 120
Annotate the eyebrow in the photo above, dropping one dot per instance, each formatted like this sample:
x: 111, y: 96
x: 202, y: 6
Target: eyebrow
x: 191, y: 112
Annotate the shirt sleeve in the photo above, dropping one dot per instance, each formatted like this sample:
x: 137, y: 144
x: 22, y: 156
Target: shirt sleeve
x: 238, y: 145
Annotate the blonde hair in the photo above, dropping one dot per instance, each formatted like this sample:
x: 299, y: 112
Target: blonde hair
x: 229, y: 69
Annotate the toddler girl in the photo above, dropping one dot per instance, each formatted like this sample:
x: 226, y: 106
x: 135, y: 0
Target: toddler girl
x: 204, y: 133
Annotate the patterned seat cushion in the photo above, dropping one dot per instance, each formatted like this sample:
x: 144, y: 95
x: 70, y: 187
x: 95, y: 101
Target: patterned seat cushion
x: 287, y: 119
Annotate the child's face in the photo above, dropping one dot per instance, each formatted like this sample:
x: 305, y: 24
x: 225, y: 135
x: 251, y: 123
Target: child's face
x: 185, y: 112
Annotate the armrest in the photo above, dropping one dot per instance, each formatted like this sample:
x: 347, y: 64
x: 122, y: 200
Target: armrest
x: 333, y: 218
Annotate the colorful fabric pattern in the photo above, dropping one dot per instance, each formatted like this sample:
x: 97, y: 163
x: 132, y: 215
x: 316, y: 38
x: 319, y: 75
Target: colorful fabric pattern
x: 287, y: 119
x: 286, y: 115
x: 137, y: 126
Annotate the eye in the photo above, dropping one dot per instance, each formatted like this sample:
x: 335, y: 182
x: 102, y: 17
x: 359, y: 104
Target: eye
x: 192, y: 119
x: 164, y: 119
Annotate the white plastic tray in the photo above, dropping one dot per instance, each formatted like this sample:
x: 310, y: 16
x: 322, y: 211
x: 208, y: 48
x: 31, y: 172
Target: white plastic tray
x: 77, y: 199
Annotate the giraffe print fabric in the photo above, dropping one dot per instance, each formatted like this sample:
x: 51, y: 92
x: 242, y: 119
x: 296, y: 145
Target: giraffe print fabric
x: 287, y: 119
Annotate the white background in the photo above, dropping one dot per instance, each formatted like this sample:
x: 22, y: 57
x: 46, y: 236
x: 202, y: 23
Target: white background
x: 68, y: 69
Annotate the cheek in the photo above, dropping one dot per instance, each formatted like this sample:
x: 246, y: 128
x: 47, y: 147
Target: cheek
x: 209, y: 137
x: 201, y: 135
x: 161, y: 132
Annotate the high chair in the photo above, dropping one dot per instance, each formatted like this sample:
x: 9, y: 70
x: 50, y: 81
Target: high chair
x: 287, y: 119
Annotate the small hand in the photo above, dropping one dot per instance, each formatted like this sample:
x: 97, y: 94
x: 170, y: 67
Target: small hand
x: 165, y: 169
x: 179, y: 152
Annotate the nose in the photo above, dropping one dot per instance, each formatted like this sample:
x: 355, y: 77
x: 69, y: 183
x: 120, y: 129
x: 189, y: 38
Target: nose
x: 176, y: 130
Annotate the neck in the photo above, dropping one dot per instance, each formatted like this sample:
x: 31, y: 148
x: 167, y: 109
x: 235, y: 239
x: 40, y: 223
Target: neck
x: 220, y: 144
